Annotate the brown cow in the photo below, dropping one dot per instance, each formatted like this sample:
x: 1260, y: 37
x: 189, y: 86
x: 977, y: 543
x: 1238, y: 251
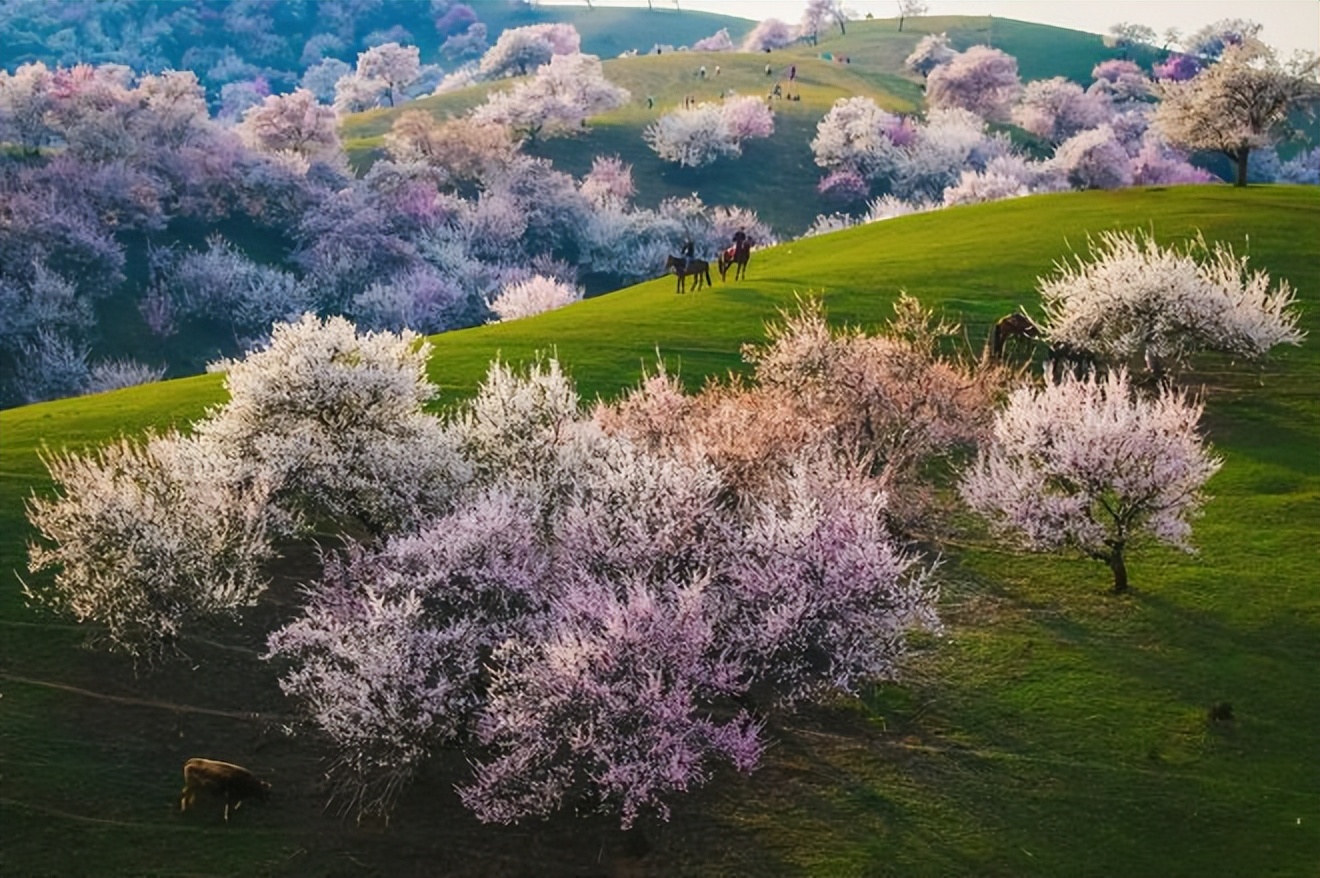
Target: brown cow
x: 232, y: 782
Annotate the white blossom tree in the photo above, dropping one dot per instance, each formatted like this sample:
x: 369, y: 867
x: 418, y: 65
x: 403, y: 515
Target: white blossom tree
x: 702, y: 134
x: 1086, y: 464
x: 531, y: 297
x: 335, y: 418
x: 932, y: 50
x: 1239, y: 103
x: 144, y: 537
x: 910, y: 9
x: 1136, y: 298
x: 563, y: 94
x: 856, y: 135
x: 394, y: 66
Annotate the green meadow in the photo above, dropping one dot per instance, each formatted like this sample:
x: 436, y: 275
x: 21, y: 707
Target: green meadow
x: 1051, y: 729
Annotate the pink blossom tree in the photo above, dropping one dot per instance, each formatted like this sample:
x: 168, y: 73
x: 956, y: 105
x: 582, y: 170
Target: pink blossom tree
x: 293, y: 123
x: 609, y: 180
x: 982, y: 80
x: 1086, y: 464
x: 1094, y: 159
x: 520, y: 50
x: 716, y: 42
x: 393, y: 66
x: 1123, y: 81
x: 771, y: 33
x: 25, y: 98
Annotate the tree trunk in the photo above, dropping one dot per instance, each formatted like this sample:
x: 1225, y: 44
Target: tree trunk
x: 1241, y: 159
x: 900, y: 24
x: 1119, y: 568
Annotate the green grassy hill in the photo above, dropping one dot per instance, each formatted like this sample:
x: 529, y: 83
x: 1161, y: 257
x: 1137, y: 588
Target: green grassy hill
x: 1052, y: 730
x: 777, y: 176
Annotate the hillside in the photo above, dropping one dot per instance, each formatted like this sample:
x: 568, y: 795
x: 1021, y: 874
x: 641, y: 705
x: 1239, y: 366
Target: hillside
x: 777, y: 177
x: 1051, y: 730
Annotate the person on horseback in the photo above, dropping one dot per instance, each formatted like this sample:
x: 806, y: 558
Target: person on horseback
x: 688, y: 253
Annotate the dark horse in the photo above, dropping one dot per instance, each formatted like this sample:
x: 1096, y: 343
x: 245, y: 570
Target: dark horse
x: 698, y: 268
x: 1013, y: 326
x: 738, y: 255
x: 1062, y: 355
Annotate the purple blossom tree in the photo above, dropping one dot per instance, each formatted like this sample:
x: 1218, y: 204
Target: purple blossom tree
x: 1057, y: 109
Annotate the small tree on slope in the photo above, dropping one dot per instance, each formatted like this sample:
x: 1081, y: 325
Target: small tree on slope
x: 1084, y: 464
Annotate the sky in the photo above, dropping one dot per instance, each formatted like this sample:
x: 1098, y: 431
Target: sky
x: 1288, y: 24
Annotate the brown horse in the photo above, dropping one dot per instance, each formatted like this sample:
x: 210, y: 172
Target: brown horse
x: 1062, y: 356
x: 737, y: 255
x: 698, y: 268
x: 1015, y: 325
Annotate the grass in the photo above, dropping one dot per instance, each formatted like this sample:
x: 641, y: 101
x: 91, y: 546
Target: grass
x: 1050, y: 730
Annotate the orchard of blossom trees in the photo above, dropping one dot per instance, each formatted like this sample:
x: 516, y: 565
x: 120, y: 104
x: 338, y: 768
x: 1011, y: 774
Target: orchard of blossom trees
x: 451, y: 217
x: 1126, y: 128
x: 599, y: 606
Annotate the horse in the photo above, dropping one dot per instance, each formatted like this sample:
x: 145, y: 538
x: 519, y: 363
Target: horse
x: 1016, y: 325
x: 698, y: 268
x: 1062, y: 355
x: 738, y: 255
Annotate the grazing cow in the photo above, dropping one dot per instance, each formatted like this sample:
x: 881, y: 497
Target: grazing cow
x: 231, y: 782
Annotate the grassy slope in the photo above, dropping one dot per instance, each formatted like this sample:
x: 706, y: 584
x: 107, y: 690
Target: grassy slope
x: 1053, y: 730
x: 777, y: 176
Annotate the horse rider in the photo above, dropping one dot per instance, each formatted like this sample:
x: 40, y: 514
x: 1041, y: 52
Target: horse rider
x: 688, y: 253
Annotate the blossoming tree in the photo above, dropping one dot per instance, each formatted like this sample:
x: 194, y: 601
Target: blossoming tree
x: 1086, y: 464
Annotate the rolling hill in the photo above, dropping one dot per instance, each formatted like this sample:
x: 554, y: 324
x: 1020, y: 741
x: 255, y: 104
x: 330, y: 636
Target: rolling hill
x: 1050, y: 730
x: 777, y: 176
